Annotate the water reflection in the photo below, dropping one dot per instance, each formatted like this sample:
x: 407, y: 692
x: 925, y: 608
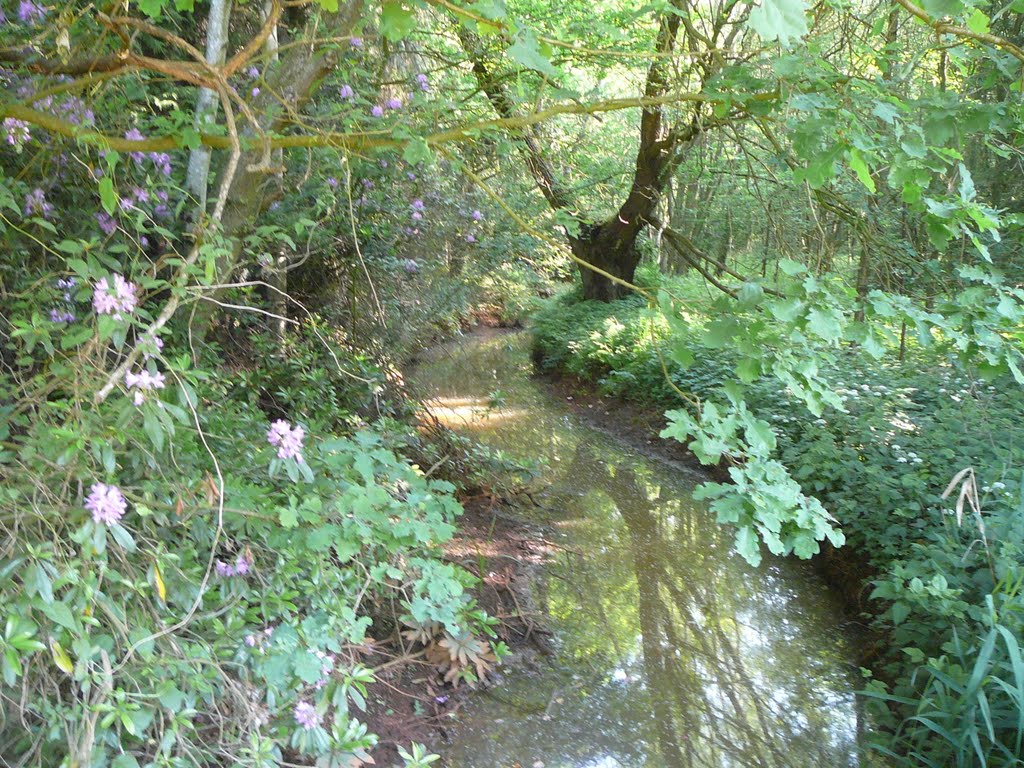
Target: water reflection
x: 672, y: 651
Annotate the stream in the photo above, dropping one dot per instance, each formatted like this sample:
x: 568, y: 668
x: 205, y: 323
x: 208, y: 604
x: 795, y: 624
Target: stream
x: 671, y: 651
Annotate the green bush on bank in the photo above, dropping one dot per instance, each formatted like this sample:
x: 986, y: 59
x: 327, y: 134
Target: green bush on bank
x: 947, y: 582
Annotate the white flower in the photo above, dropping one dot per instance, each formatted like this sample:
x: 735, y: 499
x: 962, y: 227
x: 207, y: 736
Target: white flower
x: 902, y: 459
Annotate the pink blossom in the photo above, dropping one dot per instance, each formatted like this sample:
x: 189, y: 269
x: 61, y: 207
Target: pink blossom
x: 122, y: 299
x: 306, y: 716
x: 287, y: 439
x: 17, y: 132
x: 107, y: 504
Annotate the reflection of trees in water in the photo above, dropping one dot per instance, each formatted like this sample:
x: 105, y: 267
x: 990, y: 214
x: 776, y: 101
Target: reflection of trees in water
x: 722, y: 694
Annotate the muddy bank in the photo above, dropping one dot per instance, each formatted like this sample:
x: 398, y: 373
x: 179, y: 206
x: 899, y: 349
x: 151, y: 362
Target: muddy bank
x: 410, y: 702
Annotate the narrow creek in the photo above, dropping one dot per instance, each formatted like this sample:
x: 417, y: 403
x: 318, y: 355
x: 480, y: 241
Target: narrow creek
x: 670, y: 650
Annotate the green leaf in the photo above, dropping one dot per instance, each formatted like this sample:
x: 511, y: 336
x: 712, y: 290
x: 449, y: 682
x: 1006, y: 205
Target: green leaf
x: 978, y: 22
x: 825, y: 323
x: 782, y: 20
x: 37, y: 582
x: 861, y: 169
x: 747, y: 545
x: 417, y: 151
x: 527, y: 52
x: 331, y: 6
x: 152, y: 8
x: 59, y: 613
x: 289, y: 516
x: 107, y: 195
x: 396, y: 21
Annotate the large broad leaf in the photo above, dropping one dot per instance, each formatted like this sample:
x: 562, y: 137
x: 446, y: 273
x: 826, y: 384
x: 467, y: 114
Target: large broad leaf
x: 527, y: 51
x: 781, y: 20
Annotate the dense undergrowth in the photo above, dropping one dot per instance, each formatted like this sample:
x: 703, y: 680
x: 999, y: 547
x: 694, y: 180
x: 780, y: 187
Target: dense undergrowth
x: 945, y: 572
x: 204, y: 556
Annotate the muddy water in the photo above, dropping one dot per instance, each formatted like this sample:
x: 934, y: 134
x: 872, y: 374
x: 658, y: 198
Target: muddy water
x: 671, y: 651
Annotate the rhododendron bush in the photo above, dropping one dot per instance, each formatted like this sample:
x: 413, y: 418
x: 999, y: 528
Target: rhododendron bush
x: 191, y: 574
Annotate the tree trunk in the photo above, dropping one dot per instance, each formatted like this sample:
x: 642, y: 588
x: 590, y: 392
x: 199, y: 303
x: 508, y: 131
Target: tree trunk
x: 198, y: 174
x: 599, y: 247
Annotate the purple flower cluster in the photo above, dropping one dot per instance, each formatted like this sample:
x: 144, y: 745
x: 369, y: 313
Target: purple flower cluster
x: 161, y: 160
x: 114, y: 301
x: 30, y: 13
x: 393, y: 103
x: 477, y: 216
x: 423, y: 82
x: 346, y: 93
x: 356, y: 42
x: 63, y: 314
x: 377, y: 111
x: 107, y: 504
x: 305, y: 714
x: 287, y: 439
x: 142, y: 382
x: 241, y: 566
x: 106, y: 222
x: 36, y: 204
x: 16, y: 132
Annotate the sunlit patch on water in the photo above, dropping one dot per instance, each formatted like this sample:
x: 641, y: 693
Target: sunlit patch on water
x: 672, y: 651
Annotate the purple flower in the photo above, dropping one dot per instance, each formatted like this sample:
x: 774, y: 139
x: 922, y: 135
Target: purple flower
x: 368, y: 183
x: 393, y: 103
x: 140, y: 194
x: 162, y: 161
x: 122, y: 299
x: 255, y: 92
x: 126, y: 204
x: 356, y: 42
x: 306, y: 716
x: 61, y: 316
x: 252, y: 72
x: 135, y: 134
x: 17, y: 132
x: 223, y: 569
x: 377, y: 111
x: 410, y: 266
x: 242, y: 564
x: 142, y: 382
x: 332, y: 182
x: 423, y: 81
x: 441, y: 699
x: 106, y: 222
x: 477, y: 216
x: 411, y: 176
x: 287, y: 439
x: 107, y: 504
x: 250, y: 640
x: 346, y: 92
x: 417, y: 205
x: 416, y: 216
x: 30, y: 13
x: 36, y: 205
x: 470, y: 238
